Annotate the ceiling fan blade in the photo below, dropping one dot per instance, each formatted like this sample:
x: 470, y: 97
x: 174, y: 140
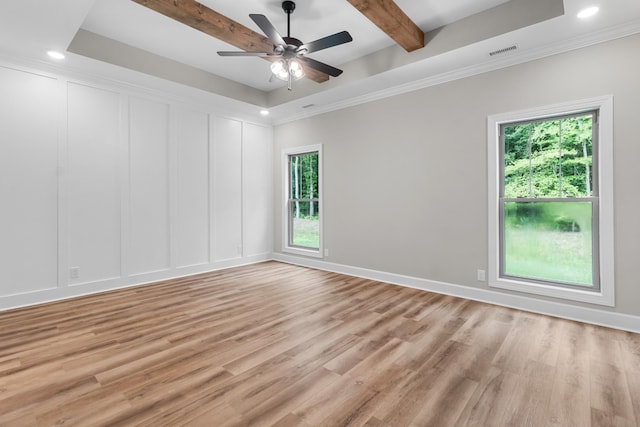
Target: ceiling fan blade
x: 239, y: 53
x: 268, y: 29
x: 320, y: 66
x: 325, y: 42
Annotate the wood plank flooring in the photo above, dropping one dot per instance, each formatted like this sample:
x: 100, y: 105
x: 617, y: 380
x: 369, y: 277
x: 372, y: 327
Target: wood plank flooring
x: 273, y: 344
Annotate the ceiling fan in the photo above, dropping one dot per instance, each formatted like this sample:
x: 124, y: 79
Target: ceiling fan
x: 291, y: 50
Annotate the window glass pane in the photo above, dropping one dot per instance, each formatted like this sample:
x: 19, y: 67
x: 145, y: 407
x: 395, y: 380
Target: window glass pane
x: 551, y: 158
x: 305, y: 224
x: 549, y: 241
x: 303, y: 176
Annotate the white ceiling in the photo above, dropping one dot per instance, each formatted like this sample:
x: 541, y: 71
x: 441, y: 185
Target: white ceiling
x: 373, y: 64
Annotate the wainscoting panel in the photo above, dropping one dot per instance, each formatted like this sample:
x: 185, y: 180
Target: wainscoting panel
x: 28, y: 181
x: 105, y: 185
x: 192, y: 216
x: 93, y: 184
x: 149, y: 185
x: 257, y: 184
x: 227, y: 169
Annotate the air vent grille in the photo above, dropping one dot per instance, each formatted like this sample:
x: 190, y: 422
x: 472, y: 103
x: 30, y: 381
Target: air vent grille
x: 503, y: 50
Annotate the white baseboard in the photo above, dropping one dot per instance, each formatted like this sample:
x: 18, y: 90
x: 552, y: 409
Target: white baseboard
x: 593, y: 316
x: 10, y: 302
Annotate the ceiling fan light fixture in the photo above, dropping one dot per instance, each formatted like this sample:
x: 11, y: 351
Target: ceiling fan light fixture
x: 295, y: 69
x: 285, y: 68
x: 278, y: 68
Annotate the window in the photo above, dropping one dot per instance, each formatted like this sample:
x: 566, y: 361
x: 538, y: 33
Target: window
x: 303, y: 207
x: 551, y: 210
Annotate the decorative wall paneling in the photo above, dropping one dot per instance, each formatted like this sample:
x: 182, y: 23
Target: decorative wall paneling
x: 103, y: 187
x: 149, y: 186
x: 256, y: 173
x: 227, y: 161
x: 28, y: 184
x: 192, y: 223
x: 93, y: 184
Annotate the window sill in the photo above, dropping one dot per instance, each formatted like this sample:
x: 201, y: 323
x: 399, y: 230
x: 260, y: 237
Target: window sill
x: 315, y: 253
x: 583, y: 295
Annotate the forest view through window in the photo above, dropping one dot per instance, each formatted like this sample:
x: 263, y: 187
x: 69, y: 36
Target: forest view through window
x: 303, y: 200
x: 549, y: 201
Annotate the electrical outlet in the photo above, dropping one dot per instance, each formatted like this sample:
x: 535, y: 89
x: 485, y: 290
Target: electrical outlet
x: 482, y: 276
x: 74, y: 272
x: 326, y: 252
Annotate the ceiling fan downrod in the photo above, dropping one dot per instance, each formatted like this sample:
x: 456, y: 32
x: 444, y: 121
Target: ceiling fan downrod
x: 288, y: 7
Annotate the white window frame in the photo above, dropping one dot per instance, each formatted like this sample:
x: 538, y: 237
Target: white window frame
x: 285, y: 208
x: 606, y: 294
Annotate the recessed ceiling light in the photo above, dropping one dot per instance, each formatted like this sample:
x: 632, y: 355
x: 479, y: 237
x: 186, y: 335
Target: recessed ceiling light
x: 587, y: 12
x: 55, y: 55
x: 264, y: 112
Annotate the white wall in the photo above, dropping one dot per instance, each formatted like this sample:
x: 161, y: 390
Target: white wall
x: 28, y: 181
x: 192, y: 228
x: 227, y: 181
x: 405, y: 178
x: 148, y: 186
x: 93, y: 183
x: 103, y: 186
x: 257, y: 173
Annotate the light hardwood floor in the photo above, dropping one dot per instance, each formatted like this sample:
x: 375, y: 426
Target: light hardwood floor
x: 275, y: 344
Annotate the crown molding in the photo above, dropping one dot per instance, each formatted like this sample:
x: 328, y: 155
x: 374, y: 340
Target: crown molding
x: 515, y: 58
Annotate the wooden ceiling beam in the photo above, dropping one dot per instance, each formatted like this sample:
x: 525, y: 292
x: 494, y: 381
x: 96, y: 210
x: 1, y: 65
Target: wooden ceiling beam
x: 210, y: 22
x: 388, y: 16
